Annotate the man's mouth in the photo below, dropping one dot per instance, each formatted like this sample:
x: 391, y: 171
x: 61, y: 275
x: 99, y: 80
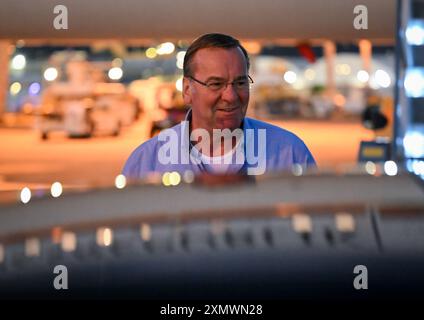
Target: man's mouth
x: 228, y: 109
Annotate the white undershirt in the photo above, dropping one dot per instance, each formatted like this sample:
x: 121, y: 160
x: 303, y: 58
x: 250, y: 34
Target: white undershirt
x: 226, y: 163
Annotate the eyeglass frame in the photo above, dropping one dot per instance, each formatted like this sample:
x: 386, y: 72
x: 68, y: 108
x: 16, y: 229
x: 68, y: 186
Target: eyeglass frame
x: 249, y: 79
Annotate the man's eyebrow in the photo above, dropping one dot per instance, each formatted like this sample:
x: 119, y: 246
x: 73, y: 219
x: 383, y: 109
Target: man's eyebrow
x: 215, y: 78
x: 223, y: 79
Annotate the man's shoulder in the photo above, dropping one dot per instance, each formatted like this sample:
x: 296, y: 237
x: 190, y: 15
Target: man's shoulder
x: 290, y: 147
x: 147, y: 146
x: 277, y: 133
x: 144, y: 158
x: 153, y: 143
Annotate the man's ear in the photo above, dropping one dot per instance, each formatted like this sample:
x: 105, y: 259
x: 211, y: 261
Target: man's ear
x: 186, y: 91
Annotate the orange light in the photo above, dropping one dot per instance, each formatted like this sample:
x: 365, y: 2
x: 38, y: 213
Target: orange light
x: 339, y: 100
x: 69, y: 241
x: 252, y: 47
x: 56, y: 235
x: 104, y: 237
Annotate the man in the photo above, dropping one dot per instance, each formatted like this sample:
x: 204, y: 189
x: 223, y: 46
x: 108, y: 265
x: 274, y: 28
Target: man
x: 216, y: 137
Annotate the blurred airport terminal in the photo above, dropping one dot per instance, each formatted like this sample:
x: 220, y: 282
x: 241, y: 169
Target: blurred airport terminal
x: 75, y: 102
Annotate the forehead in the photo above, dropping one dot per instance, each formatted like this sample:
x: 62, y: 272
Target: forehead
x: 219, y: 62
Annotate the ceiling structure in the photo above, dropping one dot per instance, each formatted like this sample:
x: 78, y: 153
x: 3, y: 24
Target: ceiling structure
x: 142, y: 21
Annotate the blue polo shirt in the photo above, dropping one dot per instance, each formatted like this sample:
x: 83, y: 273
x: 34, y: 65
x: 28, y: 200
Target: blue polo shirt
x: 267, y: 148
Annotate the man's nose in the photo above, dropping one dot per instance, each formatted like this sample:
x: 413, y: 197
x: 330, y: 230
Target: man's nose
x: 229, y: 94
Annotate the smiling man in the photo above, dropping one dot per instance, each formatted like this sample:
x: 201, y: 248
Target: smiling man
x: 216, y: 137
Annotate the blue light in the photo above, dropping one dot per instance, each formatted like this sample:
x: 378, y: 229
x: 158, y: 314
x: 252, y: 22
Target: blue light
x: 413, y: 143
x: 415, y: 32
x: 414, y: 82
x: 34, y: 88
x: 416, y: 167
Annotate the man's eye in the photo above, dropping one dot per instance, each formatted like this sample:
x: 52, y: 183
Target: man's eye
x: 215, y: 85
x: 242, y: 83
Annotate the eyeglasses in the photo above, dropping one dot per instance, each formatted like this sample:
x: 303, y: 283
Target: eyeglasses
x: 217, y: 85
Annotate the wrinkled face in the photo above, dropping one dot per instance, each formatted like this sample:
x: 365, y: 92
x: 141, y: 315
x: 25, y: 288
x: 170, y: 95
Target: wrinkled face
x: 222, y: 109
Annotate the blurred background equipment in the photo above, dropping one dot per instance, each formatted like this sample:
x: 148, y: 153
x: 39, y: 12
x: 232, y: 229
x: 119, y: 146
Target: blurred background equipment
x: 84, y: 104
x: 170, y: 102
x: 379, y: 149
